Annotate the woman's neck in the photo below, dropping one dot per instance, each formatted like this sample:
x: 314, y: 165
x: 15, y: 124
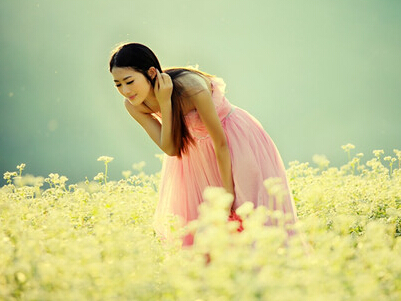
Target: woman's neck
x: 152, y: 103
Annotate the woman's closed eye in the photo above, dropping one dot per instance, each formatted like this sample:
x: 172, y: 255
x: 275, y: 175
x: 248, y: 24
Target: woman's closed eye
x: 128, y: 83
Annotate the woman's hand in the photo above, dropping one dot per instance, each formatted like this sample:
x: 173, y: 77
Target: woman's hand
x: 163, y: 87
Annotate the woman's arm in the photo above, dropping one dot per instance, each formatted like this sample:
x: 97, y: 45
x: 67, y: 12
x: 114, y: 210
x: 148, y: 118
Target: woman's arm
x: 151, y: 125
x: 204, y: 105
x: 161, y: 134
x: 163, y: 90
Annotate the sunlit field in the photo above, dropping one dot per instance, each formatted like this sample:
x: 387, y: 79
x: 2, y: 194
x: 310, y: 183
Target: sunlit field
x: 95, y: 241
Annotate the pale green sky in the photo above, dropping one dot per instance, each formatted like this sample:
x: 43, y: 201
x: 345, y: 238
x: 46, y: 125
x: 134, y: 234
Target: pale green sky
x: 317, y: 75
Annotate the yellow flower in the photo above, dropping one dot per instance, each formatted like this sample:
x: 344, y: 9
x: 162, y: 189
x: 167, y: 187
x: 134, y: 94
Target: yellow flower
x: 321, y: 161
x: 105, y: 159
x: 378, y: 152
x: 347, y: 147
x: 245, y: 209
x: 138, y: 166
x: 99, y: 177
x: 21, y: 166
x: 126, y: 173
x: 7, y: 175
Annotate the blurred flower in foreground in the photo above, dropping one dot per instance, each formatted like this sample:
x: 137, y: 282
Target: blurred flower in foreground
x: 321, y: 161
x: 94, y: 241
x: 126, y: 173
x: 138, y: 166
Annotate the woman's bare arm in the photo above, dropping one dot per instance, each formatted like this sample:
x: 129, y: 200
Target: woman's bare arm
x: 161, y: 134
x: 204, y: 105
x: 151, y: 125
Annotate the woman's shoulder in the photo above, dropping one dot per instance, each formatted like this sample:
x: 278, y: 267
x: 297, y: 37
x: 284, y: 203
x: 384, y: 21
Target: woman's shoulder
x: 191, y: 80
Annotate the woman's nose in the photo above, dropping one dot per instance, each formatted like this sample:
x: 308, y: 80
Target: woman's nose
x: 125, y: 89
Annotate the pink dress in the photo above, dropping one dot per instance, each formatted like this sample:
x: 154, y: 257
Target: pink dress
x: 254, y: 158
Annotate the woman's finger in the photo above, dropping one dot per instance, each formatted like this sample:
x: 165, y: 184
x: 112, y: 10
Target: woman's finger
x: 159, y: 77
x: 156, y: 87
x: 166, y: 79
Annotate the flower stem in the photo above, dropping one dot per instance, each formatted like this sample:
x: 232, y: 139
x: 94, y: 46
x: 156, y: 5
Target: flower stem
x: 105, y: 174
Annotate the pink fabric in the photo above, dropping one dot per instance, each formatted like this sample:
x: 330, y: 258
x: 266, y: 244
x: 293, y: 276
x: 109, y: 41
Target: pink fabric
x: 254, y: 158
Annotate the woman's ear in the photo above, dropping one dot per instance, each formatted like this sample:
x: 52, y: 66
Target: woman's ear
x: 152, y: 72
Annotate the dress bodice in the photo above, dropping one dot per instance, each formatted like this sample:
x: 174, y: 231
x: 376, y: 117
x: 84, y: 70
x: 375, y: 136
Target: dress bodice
x: 222, y: 105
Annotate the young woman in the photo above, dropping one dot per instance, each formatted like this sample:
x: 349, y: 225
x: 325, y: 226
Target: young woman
x: 207, y: 141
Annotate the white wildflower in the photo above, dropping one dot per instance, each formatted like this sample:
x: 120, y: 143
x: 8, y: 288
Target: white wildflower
x: 105, y: 159
x: 245, y: 209
x: 347, y: 147
x: 321, y: 161
x: 138, y: 166
x: 99, y: 177
x: 126, y: 173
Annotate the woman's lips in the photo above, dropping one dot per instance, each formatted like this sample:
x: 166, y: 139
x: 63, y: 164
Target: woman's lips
x: 132, y: 97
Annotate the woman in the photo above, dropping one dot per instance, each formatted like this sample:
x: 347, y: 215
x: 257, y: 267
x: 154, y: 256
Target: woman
x: 207, y: 141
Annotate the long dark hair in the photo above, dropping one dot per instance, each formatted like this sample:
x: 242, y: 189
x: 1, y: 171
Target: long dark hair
x: 140, y: 58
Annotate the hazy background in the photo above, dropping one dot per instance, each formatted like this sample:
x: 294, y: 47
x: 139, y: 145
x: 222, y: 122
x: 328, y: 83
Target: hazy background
x: 317, y: 74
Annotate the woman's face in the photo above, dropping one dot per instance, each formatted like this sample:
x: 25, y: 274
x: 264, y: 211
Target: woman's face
x: 131, y: 84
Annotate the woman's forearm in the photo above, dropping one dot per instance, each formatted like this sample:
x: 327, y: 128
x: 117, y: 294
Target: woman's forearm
x: 166, y: 132
x: 163, y: 91
x: 224, y: 162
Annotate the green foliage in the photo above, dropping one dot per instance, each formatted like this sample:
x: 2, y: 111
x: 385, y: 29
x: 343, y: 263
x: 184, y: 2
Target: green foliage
x: 95, y: 241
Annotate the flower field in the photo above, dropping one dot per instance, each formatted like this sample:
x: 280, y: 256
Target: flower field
x: 95, y: 241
